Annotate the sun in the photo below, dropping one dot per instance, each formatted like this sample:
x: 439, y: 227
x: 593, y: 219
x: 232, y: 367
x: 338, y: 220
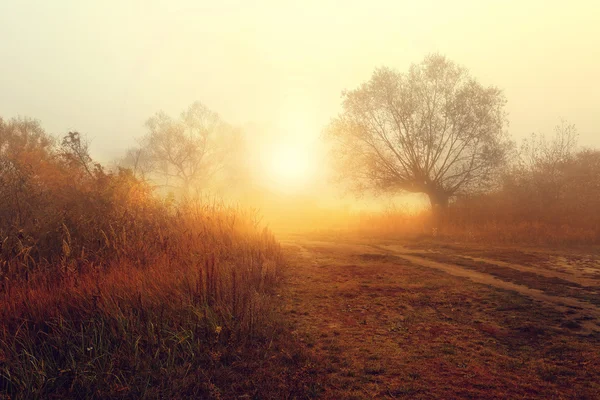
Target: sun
x: 289, y: 166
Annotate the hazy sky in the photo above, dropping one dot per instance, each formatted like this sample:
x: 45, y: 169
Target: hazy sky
x: 104, y: 67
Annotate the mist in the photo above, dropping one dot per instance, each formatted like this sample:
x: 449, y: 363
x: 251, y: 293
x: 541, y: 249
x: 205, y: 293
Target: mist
x: 318, y: 199
x: 104, y: 68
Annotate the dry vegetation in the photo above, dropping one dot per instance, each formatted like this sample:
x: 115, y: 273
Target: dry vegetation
x: 107, y: 291
x: 548, y: 195
x: 387, y: 322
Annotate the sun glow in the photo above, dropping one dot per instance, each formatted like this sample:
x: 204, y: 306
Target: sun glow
x: 289, y: 166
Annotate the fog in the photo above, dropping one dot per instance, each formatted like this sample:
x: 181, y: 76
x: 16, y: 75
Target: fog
x: 299, y: 199
x: 276, y: 69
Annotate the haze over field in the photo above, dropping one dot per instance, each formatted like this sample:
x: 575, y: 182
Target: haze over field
x: 277, y: 68
x: 299, y: 199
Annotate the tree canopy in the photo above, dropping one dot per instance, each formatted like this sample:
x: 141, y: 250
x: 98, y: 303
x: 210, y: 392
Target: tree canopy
x: 186, y: 152
x: 432, y: 130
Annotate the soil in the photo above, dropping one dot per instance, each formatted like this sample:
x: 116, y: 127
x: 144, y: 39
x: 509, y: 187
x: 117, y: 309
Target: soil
x: 389, y: 319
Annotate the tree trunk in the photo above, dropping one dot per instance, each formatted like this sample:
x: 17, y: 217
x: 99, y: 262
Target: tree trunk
x: 439, y: 204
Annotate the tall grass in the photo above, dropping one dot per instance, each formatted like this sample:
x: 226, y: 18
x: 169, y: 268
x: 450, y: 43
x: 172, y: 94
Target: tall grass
x: 107, y: 291
x: 157, y: 315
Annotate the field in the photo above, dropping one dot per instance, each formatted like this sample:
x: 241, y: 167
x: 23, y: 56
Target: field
x: 110, y: 290
x: 426, y: 319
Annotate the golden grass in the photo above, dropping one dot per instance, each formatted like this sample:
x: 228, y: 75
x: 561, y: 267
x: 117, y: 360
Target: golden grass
x: 109, y: 292
x: 145, y: 323
x: 462, y: 222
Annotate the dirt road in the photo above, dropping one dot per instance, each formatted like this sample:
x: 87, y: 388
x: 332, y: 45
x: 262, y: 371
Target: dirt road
x: 394, y: 320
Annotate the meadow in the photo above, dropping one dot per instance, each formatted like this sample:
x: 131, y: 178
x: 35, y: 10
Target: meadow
x: 110, y: 289
x: 299, y: 200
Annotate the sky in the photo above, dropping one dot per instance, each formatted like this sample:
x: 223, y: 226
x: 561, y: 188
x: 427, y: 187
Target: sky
x: 279, y: 67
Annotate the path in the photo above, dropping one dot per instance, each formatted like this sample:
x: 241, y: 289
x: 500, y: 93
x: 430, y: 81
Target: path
x: 389, y: 322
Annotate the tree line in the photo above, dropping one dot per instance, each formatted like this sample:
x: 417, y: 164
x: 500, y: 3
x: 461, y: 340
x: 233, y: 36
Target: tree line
x: 433, y: 129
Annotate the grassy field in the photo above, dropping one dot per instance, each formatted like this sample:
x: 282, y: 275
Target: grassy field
x: 188, y: 310
x: 390, y: 319
x: 308, y: 316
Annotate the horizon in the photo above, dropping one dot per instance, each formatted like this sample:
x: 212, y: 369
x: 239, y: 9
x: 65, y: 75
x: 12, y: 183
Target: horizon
x: 278, y: 71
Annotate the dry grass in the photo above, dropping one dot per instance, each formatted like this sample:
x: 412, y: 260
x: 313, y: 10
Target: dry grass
x: 461, y: 223
x: 384, y: 327
x: 188, y: 320
x: 107, y: 291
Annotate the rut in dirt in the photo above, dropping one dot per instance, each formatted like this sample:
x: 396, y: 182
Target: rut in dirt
x: 586, y: 313
x: 395, y: 324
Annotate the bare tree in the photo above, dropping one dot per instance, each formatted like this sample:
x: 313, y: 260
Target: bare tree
x: 75, y: 151
x: 137, y: 159
x: 540, y: 151
x: 544, y: 161
x: 183, y: 153
x: 433, y: 130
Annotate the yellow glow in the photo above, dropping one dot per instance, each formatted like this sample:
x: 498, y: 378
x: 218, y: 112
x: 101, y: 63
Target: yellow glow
x: 289, y: 166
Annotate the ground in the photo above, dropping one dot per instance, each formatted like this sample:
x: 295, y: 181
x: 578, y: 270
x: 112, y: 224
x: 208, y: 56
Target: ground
x: 394, y: 319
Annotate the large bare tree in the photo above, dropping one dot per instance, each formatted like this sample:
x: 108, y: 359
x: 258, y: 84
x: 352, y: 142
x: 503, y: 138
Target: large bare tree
x: 433, y: 130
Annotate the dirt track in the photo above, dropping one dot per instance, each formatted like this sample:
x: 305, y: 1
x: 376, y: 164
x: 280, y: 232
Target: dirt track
x: 406, y: 321
x: 588, y: 313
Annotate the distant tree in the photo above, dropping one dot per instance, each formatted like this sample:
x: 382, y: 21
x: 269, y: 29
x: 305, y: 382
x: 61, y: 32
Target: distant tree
x: 540, y: 151
x: 24, y: 148
x: 19, y: 136
x: 433, y: 130
x: 554, y: 181
x: 582, y: 192
x: 138, y: 161
x: 183, y: 153
x: 543, y: 164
